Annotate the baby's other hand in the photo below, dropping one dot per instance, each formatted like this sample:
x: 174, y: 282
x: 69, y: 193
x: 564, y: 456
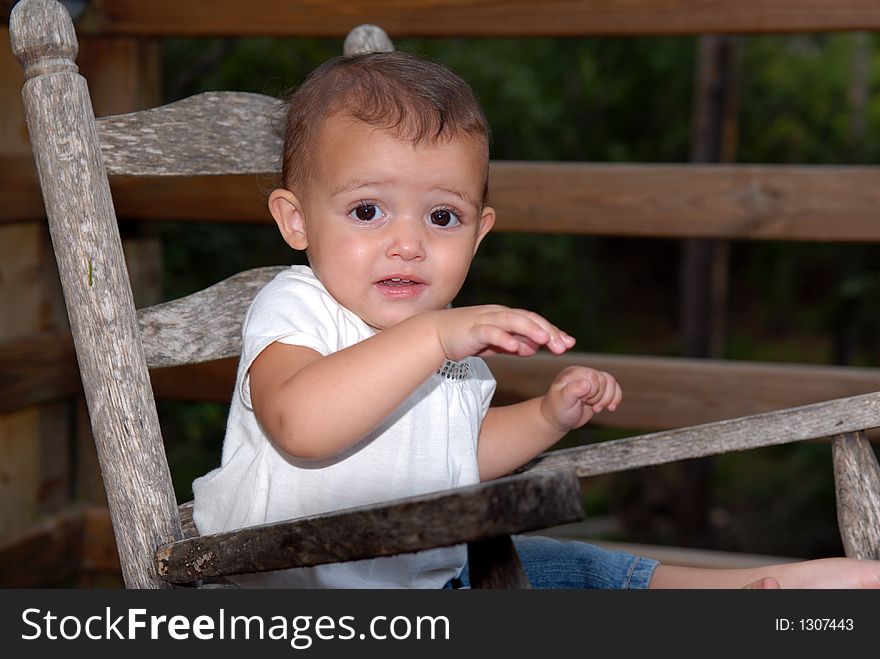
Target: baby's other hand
x: 494, y: 329
x: 578, y: 393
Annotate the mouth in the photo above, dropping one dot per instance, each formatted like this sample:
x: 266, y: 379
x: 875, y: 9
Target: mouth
x: 402, y: 286
x: 399, y: 281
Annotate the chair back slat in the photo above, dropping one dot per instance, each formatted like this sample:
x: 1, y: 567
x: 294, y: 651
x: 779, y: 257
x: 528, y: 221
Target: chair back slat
x: 210, y: 133
x: 203, y: 326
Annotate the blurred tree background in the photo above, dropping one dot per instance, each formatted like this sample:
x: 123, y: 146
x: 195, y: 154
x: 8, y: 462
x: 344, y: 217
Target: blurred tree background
x: 803, y: 99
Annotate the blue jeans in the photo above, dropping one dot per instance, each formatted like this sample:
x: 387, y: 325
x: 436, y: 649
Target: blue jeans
x: 550, y: 563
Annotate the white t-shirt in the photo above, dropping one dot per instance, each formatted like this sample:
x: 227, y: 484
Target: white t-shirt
x: 429, y: 443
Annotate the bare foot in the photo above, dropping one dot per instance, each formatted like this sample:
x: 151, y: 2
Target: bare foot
x: 821, y: 573
x: 830, y: 573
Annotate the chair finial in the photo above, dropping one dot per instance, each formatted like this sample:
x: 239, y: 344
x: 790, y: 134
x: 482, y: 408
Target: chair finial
x: 367, y: 39
x: 42, y: 36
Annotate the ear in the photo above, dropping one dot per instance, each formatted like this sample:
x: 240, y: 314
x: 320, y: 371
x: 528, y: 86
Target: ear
x: 487, y: 221
x: 287, y: 212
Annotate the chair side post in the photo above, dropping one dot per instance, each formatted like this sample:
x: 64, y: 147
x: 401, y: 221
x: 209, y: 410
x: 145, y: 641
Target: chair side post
x: 97, y: 291
x: 857, y: 485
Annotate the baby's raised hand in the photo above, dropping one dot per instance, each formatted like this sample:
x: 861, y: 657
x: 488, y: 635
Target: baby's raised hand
x: 578, y: 393
x: 494, y: 329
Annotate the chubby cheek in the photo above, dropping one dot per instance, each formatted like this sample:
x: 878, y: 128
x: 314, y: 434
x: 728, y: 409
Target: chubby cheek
x: 454, y: 268
x: 341, y: 257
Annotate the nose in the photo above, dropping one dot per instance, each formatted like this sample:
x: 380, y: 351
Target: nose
x: 405, y: 241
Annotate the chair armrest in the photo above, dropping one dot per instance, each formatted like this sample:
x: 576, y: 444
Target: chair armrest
x: 794, y: 424
x: 514, y: 504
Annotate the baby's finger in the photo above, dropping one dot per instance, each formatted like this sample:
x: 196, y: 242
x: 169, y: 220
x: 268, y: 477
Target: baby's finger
x: 517, y: 322
x: 493, y: 336
x: 618, y: 396
x: 526, y: 344
x: 507, y: 342
x: 558, y: 341
x: 603, y: 392
x: 575, y: 391
x: 611, y: 394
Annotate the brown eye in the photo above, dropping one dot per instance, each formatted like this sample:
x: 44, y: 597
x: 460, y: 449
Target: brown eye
x: 366, y: 213
x: 443, y: 217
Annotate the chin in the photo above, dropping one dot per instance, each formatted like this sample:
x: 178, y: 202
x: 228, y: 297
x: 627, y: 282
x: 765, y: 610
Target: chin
x: 390, y: 320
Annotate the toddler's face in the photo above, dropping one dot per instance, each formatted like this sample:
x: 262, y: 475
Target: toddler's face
x: 392, y: 227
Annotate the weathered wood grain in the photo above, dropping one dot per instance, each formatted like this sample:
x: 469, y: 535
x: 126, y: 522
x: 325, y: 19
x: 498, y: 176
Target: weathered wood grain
x: 367, y: 38
x: 492, y: 563
x: 791, y: 425
x: 487, y: 18
x: 103, y: 322
x: 210, y: 133
x: 514, y: 504
x: 203, y: 326
x: 857, y: 483
x: 185, y: 510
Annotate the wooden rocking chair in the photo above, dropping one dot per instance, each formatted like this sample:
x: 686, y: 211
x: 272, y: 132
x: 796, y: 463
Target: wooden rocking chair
x: 215, y: 133
x: 231, y: 133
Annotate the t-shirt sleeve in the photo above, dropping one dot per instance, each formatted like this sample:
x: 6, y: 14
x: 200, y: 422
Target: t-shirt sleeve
x: 289, y: 311
x: 486, y: 382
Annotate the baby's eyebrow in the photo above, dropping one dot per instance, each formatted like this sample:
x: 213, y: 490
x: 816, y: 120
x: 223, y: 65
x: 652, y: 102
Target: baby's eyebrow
x: 351, y: 186
x: 461, y: 195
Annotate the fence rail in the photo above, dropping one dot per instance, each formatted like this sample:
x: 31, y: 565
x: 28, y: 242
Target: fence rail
x: 754, y: 202
x: 476, y: 18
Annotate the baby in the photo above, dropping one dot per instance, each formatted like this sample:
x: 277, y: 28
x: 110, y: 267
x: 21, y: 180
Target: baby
x: 359, y: 383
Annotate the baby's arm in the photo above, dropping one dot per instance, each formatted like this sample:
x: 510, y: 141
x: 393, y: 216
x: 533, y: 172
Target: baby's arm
x: 316, y: 407
x: 514, y: 434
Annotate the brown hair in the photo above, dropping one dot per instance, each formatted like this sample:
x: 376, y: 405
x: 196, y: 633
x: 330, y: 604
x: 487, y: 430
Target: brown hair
x: 417, y: 99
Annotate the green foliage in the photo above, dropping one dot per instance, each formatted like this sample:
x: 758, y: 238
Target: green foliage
x: 259, y: 65
x: 795, y: 107
x: 193, y: 435
x: 570, y: 99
